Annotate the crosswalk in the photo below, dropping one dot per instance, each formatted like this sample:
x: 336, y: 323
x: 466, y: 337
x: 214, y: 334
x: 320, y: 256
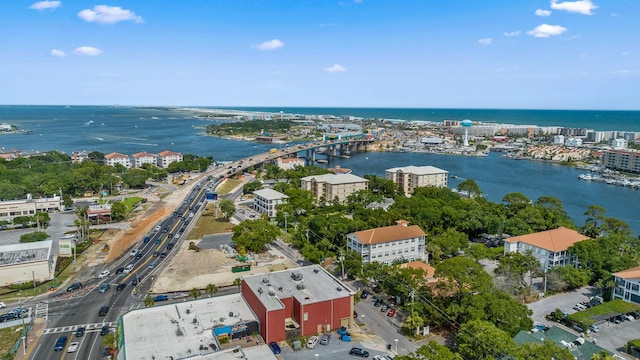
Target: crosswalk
x: 89, y: 328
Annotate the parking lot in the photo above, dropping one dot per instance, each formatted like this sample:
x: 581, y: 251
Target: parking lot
x: 610, y: 336
x: 335, y: 350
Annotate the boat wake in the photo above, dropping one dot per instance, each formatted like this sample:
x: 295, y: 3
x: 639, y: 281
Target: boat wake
x: 99, y: 138
x: 88, y: 123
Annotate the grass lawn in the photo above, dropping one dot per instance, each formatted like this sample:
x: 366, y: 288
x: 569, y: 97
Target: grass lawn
x: 131, y: 202
x: 227, y: 186
x: 602, y: 311
x: 8, y: 338
x: 208, y: 224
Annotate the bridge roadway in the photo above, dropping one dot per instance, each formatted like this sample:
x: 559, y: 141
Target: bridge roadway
x: 66, y: 313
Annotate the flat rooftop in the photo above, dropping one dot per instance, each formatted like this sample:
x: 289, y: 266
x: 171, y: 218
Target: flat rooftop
x: 315, y: 285
x: 419, y: 170
x: 262, y: 352
x: 25, y: 253
x: 179, y: 329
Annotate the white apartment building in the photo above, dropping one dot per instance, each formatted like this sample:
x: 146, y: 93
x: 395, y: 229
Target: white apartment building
x: 388, y: 244
x: 114, y: 158
x: 28, y: 207
x: 408, y: 178
x: 549, y: 247
x: 558, y: 139
x: 331, y: 186
x: 619, y: 143
x: 289, y: 163
x: 167, y: 157
x: 265, y: 201
x: 142, y: 158
x: 627, y: 285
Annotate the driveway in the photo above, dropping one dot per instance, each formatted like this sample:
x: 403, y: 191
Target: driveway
x: 564, y: 302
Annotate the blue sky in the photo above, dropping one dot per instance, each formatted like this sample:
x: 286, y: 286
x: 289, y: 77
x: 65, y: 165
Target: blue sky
x: 557, y: 54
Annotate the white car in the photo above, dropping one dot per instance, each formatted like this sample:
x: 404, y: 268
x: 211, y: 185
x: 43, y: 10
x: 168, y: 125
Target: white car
x: 73, y: 347
x: 104, y: 274
x: 313, y: 341
x: 134, y: 252
x: 128, y: 268
x: 2, y: 305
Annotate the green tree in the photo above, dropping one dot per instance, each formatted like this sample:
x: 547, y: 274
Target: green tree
x: 22, y: 220
x: 431, y: 351
x: 148, y: 301
x: 603, y: 355
x: 479, y: 339
x: 463, y: 276
x: 135, y: 178
x: 516, y: 265
x: 542, y: 351
x: 450, y: 242
x: 42, y: 219
x: 254, y: 235
x: 414, y: 322
x: 118, y: 210
x: 33, y: 237
x: 470, y: 188
x: 237, y: 282
x: 195, y: 293
x: 67, y: 201
x: 249, y: 188
x: 211, y: 289
x: 515, y: 202
x: 595, y: 219
x: 227, y: 207
x: 573, y: 277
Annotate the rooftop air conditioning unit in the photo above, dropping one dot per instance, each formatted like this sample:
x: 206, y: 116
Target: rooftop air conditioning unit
x: 272, y: 293
x: 280, y: 288
x: 339, y: 288
x: 316, y: 270
x: 265, y: 280
x: 296, y: 276
x: 300, y: 286
x: 260, y: 290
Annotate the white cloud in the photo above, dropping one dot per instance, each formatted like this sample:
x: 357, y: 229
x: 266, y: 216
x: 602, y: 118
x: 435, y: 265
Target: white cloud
x: 270, y: 45
x: 46, y: 4
x: 512, y: 33
x: 583, y: 7
x: 541, y: 12
x: 87, y: 51
x: 545, y: 31
x: 335, y: 69
x: 485, y: 41
x: 57, y: 53
x: 105, y: 14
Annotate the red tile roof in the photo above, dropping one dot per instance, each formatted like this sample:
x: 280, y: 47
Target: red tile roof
x: 633, y: 273
x: 168, y: 153
x: 389, y: 234
x: 115, y: 155
x: 555, y: 240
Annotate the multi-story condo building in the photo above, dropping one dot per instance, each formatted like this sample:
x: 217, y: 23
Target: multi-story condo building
x: 289, y: 163
x: 549, y: 247
x: 265, y: 201
x: 331, y: 186
x: 627, y: 285
x: 167, y: 157
x: 408, y: 178
x: 388, y: 244
x: 114, y: 158
x: 142, y: 158
x: 624, y: 160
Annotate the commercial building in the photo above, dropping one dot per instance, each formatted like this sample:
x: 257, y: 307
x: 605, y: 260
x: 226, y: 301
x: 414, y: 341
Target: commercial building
x: 549, y: 247
x: 577, y: 345
x: 409, y: 178
x: 114, y: 158
x: 265, y: 201
x: 28, y: 207
x: 289, y: 163
x: 142, y: 158
x: 624, y: 160
x: 167, y: 157
x: 390, y: 243
x: 331, y: 186
x: 299, y: 302
x: 20, y: 263
x: 627, y: 285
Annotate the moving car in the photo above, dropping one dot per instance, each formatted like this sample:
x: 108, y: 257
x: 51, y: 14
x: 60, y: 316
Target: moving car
x: 128, y: 268
x: 60, y: 343
x: 152, y: 265
x: 121, y: 286
x: 104, y: 274
x: 73, y: 347
x: 104, y: 330
x: 74, y: 286
x: 359, y: 352
x: 103, y: 311
x: 312, y: 342
x: 275, y: 348
x: 120, y: 270
x: 80, y: 332
x: 134, y: 252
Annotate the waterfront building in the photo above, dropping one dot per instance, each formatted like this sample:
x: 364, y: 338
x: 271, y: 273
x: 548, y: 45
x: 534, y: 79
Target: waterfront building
x: 331, y: 186
x: 619, y: 143
x: 79, y: 156
x: 409, y: 178
x: 573, y: 142
x: 167, y: 157
x: 11, y: 209
x: 549, y: 247
x: 390, y: 243
x: 574, y: 131
x: 265, y: 201
x: 114, y: 158
x: 624, y: 160
x: 558, y: 140
x: 344, y: 136
x: 431, y: 141
x: 627, y: 285
x: 142, y: 158
x: 298, y: 302
x: 289, y: 163
x: 21, y: 263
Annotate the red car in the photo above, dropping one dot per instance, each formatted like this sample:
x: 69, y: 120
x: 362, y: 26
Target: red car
x: 391, y: 312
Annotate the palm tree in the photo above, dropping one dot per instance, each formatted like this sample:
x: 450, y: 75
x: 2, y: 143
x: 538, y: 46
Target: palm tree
x: 194, y: 293
x: 414, y: 322
x: 148, y: 301
x: 211, y: 289
x: 237, y: 282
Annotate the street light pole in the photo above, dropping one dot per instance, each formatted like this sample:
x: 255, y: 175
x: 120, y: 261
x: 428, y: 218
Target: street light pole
x: 396, y: 340
x: 286, y: 215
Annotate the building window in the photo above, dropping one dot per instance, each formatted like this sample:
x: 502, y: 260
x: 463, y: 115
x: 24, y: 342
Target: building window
x: 305, y: 316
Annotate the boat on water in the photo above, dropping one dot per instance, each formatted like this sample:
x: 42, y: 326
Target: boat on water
x: 586, y: 177
x: 322, y: 161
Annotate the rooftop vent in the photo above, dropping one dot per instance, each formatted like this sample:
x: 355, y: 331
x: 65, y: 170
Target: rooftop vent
x: 280, y: 288
x: 300, y: 286
x: 339, y: 288
x: 265, y: 280
x: 272, y: 293
x: 316, y: 270
x: 230, y: 313
x: 260, y: 290
x: 296, y: 276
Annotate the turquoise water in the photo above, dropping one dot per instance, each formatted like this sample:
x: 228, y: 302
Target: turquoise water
x: 129, y: 130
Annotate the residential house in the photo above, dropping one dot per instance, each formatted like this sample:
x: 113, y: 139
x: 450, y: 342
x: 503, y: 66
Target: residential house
x: 331, y: 186
x: 389, y: 244
x: 408, y: 178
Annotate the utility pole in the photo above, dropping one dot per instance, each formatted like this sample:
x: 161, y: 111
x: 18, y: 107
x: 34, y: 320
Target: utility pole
x: 286, y: 215
x: 341, y: 258
x: 412, y: 295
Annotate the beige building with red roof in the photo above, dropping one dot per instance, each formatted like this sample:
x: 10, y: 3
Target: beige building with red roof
x: 167, y: 157
x: 388, y: 244
x: 142, y: 158
x: 627, y: 285
x: 289, y: 163
x: 114, y: 158
x: 549, y: 247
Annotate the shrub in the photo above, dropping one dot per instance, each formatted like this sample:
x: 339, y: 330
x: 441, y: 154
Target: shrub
x: 33, y: 237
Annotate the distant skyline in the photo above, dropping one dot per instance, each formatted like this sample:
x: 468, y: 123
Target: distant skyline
x: 534, y: 54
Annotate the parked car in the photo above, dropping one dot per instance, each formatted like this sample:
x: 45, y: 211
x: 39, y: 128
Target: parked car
x: 359, y: 352
x: 60, y: 343
x: 391, y: 312
x: 275, y: 348
x: 104, y: 274
x: 104, y: 330
x: 312, y: 342
x: 629, y: 317
x: 160, y: 298
x: 377, y: 303
x: 103, y: 311
x: 383, y: 308
x: 80, y: 331
x: 2, y: 305
x: 594, y: 328
x: 325, y: 339
x: 364, y: 294
x: 73, y: 347
x: 181, y: 295
x: 104, y: 287
x: 74, y: 286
